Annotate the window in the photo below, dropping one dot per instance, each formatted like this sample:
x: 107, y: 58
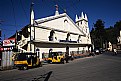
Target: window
x: 86, y: 30
x: 68, y: 35
x: 78, y: 24
x: 51, y: 35
x: 78, y: 38
x: 65, y: 20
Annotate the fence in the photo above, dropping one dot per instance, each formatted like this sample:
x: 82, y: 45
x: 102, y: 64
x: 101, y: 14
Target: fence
x: 79, y: 54
x: 6, y: 60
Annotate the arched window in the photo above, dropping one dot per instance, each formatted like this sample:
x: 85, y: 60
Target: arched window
x: 79, y: 38
x: 86, y: 30
x: 51, y: 37
x: 65, y: 20
x: 68, y: 35
x: 78, y: 23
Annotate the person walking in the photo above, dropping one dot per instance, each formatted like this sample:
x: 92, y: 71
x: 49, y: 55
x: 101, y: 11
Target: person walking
x: 115, y: 51
x: 66, y: 58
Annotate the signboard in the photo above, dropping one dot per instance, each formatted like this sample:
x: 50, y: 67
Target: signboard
x: 6, y: 48
x: 9, y: 42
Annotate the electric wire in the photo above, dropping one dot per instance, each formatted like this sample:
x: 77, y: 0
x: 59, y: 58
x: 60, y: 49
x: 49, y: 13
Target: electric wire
x: 60, y: 6
x: 24, y: 10
x: 10, y: 25
x: 14, y: 13
x: 26, y: 17
x: 73, y: 4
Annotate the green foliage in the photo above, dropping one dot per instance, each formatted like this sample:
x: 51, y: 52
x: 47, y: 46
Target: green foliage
x: 100, y: 35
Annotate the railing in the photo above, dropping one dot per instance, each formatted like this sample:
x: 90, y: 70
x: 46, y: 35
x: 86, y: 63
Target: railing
x: 21, y: 43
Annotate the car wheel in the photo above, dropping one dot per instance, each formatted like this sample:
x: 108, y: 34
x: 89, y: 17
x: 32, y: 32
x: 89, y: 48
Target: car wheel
x: 25, y: 67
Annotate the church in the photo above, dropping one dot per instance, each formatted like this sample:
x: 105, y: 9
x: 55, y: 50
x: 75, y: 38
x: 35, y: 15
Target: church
x: 58, y: 33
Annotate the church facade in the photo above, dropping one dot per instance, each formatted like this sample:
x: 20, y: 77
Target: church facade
x: 55, y: 33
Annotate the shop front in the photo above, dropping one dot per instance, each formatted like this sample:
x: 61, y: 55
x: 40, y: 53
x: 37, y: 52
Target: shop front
x: 6, y: 53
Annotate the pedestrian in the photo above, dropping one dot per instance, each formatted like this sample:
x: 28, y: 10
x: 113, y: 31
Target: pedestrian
x: 72, y: 57
x: 115, y: 51
x: 66, y: 57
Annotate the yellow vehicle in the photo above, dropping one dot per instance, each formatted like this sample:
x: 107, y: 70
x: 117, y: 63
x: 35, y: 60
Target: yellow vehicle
x: 26, y: 60
x: 56, y: 57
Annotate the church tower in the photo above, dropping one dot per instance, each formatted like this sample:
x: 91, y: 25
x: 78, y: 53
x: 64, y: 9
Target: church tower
x: 82, y: 22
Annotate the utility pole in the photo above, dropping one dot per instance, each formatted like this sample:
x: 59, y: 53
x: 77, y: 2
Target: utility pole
x: 31, y: 23
x: 16, y: 40
x: 0, y: 39
x: 1, y: 33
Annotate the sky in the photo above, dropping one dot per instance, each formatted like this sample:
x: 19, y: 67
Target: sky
x: 15, y: 14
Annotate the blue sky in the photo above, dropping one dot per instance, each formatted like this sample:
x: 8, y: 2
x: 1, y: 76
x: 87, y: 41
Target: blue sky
x: 14, y: 14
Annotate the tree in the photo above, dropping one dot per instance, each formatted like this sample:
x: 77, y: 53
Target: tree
x: 110, y: 34
x: 117, y: 29
x: 98, y: 33
x: 113, y: 32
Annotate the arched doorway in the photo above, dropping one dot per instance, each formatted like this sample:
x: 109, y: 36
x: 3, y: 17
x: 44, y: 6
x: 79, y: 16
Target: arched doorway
x: 38, y: 52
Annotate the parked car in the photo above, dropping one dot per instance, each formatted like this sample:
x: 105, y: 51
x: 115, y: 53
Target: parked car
x: 99, y: 50
x: 96, y: 51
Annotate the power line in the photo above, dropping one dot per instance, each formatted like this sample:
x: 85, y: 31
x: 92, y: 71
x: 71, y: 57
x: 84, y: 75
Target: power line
x: 10, y: 25
x: 63, y: 9
x: 7, y: 29
x: 75, y: 6
x: 23, y: 9
x: 14, y: 13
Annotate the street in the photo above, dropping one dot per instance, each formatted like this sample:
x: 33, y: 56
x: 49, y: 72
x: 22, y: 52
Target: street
x: 103, y: 67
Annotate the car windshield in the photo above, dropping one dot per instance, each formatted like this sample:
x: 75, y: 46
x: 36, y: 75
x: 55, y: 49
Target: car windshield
x: 23, y: 56
x: 20, y: 57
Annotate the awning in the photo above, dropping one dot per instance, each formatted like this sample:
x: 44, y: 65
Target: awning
x: 52, y: 44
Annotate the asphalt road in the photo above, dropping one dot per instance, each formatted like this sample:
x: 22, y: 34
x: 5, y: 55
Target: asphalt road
x: 104, y: 67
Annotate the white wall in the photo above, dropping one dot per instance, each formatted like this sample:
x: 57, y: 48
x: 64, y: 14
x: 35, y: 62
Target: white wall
x: 42, y: 34
x: 61, y: 24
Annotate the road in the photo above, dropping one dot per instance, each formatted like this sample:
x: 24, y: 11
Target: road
x: 104, y: 67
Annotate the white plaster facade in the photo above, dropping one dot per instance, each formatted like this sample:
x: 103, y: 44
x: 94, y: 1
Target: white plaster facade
x: 119, y: 38
x: 110, y: 46
x: 56, y: 32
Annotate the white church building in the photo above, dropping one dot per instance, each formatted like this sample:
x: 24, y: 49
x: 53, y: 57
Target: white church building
x: 57, y: 33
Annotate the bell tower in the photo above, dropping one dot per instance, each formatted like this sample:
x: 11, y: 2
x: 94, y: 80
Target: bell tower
x: 82, y: 22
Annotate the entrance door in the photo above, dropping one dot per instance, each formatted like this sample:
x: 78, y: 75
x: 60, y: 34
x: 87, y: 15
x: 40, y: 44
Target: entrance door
x: 67, y: 50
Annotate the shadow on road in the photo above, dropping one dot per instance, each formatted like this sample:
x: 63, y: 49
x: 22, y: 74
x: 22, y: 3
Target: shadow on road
x: 112, y: 53
x: 45, y: 76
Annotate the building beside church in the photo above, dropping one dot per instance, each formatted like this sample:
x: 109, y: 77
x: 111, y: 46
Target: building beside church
x: 56, y: 33
x: 119, y: 41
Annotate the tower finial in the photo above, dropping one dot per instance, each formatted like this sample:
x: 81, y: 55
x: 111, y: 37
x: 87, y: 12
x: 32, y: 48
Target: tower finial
x: 86, y: 17
x: 56, y: 12
x: 56, y: 7
x: 76, y: 18
x: 82, y: 15
x: 31, y: 14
